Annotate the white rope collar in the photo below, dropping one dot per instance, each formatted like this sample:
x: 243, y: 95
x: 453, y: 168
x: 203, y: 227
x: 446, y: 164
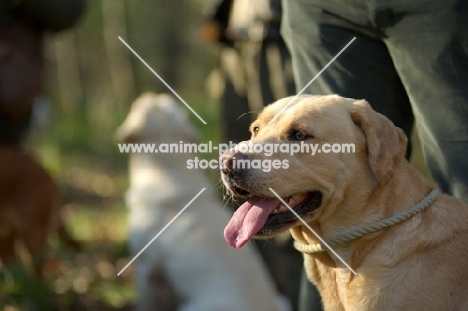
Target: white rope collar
x: 355, y: 233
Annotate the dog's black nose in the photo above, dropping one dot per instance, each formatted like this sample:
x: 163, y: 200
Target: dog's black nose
x: 228, y: 161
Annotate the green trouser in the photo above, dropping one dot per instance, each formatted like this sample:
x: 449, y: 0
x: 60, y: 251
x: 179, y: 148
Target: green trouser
x: 408, y: 57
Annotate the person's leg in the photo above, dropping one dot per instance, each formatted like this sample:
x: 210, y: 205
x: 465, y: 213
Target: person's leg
x: 363, y: 71
x: 428, y: 41
x: 309, y: 297
x: 235, y: 120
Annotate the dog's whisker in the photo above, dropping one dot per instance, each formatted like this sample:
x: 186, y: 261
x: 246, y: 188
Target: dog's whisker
x: 246, y: 113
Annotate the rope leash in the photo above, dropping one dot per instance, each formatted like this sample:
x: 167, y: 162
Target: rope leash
x: 353, y: 234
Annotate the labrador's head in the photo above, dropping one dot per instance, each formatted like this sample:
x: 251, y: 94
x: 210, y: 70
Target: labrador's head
x: 350, y: 141
x: 157, y: 119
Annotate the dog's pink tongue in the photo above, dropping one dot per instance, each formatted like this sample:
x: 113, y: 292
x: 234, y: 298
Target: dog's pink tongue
x: 248, y: 220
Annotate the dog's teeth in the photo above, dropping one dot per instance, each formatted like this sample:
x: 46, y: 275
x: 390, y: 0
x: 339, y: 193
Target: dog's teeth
x: 292, y: 199
x: 296, y: 196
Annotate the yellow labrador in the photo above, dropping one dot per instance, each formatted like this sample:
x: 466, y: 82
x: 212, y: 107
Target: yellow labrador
x: 407, y: 243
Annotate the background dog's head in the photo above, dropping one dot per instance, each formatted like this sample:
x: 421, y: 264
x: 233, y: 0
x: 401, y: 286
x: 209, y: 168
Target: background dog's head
x: 157, y: 119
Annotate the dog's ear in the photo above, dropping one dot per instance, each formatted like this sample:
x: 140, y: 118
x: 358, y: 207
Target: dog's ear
x: 132, y: 128
x: 127, y: 134
x: 386, y: 144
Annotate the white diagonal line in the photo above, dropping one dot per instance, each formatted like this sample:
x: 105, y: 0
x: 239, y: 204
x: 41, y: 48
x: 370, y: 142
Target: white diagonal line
x: 313, y: 79
x: 312, y: 230
x: 162, y: 230
x: 159, y: 77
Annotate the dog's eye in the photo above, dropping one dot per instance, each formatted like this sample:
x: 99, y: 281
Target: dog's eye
x: 299, y: 135
x: 255, y: 130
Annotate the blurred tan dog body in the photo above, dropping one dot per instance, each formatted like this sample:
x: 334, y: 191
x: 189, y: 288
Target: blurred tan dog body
x: 29, y: 203
x: 417, y: 264
x: 205, y: 273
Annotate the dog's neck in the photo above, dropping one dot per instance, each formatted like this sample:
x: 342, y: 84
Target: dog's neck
x: 407, y: 187
x: 352, y: 233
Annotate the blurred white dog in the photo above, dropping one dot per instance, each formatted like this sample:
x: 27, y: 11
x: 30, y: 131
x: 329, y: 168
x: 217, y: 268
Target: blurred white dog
x: 203, y: 271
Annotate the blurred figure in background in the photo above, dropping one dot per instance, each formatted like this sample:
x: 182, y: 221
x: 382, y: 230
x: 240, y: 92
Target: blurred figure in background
x: 255, y: 68
x: 254, y: 62
x: 22, y: 24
